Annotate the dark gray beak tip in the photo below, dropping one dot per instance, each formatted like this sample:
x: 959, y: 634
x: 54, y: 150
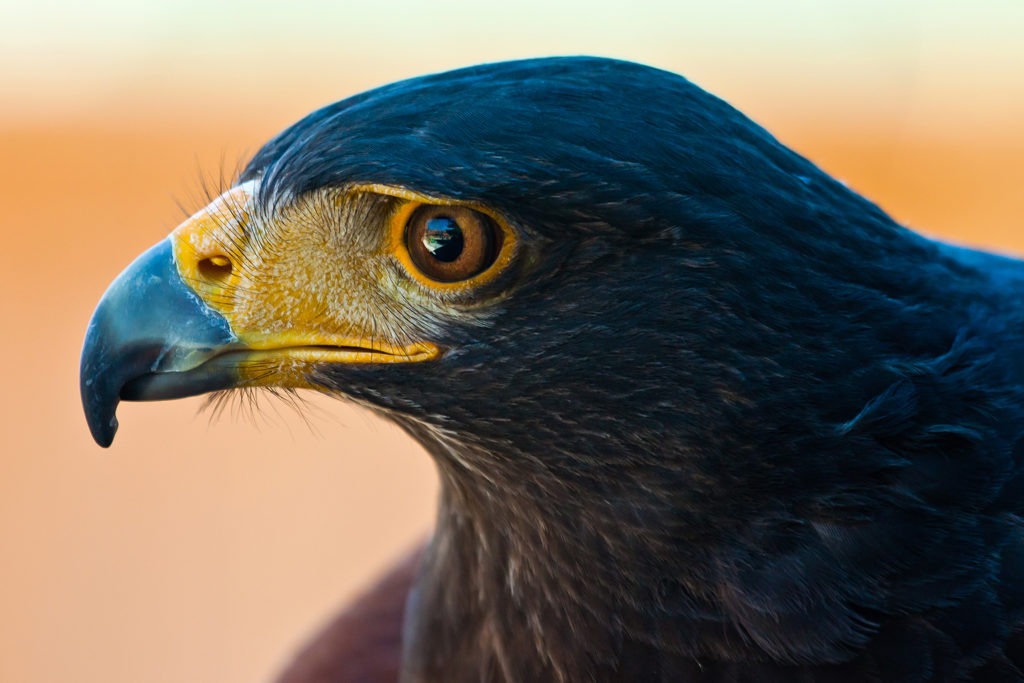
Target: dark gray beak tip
x: 100, y: 405
x: 103, y: 433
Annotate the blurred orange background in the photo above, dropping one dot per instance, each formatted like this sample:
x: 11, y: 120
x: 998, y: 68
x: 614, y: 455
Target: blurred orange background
x: 199, y: 550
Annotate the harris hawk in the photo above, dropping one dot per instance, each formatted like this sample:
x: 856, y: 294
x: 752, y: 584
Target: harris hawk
x: 699, y: 411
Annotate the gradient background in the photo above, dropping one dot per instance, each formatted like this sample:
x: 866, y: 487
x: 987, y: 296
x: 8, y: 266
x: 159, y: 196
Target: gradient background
x: 199, y: 551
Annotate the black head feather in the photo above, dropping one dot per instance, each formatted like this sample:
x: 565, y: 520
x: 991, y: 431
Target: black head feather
x: 731, y: 421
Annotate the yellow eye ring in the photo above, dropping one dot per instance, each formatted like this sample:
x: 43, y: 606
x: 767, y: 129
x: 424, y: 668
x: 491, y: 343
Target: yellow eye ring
x: 505, y: 240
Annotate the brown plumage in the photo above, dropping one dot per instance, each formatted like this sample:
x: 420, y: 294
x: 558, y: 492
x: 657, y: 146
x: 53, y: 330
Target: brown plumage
x: 362, y: 644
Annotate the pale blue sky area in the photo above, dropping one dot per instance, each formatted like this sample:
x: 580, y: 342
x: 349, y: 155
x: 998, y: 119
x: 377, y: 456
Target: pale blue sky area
x: 72, y: 56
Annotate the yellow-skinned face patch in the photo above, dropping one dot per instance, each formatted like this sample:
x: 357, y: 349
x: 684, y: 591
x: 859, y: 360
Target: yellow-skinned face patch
x: 364, y: 274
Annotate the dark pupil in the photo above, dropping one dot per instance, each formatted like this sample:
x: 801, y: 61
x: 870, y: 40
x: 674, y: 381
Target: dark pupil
x: 443, y: 238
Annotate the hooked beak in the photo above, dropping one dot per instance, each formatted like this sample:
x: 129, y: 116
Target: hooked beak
x: 152, y: 338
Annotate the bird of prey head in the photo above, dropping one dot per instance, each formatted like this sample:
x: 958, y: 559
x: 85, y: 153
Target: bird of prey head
x: 700, y: 411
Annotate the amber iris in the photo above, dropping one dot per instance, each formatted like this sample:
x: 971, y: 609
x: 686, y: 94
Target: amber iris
x: 451, y: 243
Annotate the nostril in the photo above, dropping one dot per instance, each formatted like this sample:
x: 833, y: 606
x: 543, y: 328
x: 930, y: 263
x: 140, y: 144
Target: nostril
x: 215, y: 268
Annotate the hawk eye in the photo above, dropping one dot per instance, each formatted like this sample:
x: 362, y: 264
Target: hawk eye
x: 451, y: 243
